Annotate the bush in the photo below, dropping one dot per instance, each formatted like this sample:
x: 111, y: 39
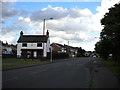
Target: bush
x: 79, y: 55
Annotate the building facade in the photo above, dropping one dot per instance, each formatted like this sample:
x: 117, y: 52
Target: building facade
x: 33, y: 46
x: 7, y: 48
x: 58, y: 48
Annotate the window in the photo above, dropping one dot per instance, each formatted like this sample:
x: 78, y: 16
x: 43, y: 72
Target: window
x: 39, y: 45
x: 24, y: 44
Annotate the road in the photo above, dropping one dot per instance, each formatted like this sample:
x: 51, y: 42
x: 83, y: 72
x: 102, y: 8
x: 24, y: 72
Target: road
x: 71, y: 73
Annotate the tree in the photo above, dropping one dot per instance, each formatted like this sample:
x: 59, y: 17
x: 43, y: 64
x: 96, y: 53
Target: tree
x: 110, y: 36
x: 103, y: 48
x: 81, y: 52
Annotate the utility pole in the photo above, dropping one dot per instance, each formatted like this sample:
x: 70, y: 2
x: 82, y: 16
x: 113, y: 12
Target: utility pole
x: 68, y: 43
x: 44, y: 27
x: 44, y: 33
x: 51, y: 54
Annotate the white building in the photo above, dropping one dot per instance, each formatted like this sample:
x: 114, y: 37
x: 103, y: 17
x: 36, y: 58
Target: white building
x: 33, y: 46
x: 6, y: 49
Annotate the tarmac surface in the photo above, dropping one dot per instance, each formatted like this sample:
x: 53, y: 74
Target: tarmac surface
x: 74, y: 73
x: 101, y: 77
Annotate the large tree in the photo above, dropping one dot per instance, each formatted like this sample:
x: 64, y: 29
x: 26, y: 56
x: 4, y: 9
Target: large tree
x: 110, y: 35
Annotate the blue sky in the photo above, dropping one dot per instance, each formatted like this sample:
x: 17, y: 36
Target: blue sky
x: 32, y: 6
x: 76, y: 22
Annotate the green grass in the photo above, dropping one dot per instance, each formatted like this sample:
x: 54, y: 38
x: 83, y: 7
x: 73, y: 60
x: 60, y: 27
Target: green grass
x: 111, y: 65
x: 11, y: 63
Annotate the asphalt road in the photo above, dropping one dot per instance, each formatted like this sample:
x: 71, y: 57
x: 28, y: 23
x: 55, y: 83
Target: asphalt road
x: 63, y: 74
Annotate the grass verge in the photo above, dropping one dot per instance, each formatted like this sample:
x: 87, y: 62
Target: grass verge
x: 110, y: 64
x: 15, y: 63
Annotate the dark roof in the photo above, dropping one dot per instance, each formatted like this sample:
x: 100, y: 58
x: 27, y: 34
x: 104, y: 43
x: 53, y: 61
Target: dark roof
x: 59, y: 45
x: 70, y: 47
x: 32, y: 38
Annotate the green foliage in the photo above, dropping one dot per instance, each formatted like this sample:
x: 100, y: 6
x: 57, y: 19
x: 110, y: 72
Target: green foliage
x: 81, y: 52
x: 110, y: 35
x: 111, y: 65
x: 103, y: 48
x: 79, y: 55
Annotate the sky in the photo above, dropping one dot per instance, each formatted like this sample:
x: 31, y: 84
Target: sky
x: 75, y: 22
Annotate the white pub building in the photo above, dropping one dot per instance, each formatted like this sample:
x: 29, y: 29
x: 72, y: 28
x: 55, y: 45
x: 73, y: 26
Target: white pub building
x: 33, y: 46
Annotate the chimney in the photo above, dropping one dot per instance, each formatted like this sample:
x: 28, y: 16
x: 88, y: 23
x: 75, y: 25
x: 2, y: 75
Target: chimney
x: 47, y: 33
x: 21, y: 33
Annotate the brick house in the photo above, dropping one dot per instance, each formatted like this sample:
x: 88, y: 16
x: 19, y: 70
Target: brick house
x: 58, y: 48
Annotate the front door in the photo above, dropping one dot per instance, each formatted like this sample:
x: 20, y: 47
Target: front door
x: 39, y: 54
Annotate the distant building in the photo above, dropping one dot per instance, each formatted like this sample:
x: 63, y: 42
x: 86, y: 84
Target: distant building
x: 8, y: 49
x: 72, y: 51
x: 89, y: 54
x: 33, y: 46
x: 59, y: 48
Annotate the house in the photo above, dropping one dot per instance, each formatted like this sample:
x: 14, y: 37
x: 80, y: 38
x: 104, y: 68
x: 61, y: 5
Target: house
x: 88, y: 53
x: 58, y: 48
x: 72, y: 51
x: 33, y: 46
x: 7, y: 49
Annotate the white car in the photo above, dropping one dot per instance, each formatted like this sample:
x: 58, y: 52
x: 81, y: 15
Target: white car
x: 94, y: 56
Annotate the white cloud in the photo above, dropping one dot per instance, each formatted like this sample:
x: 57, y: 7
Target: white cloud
x: 8, y: 11
x: 9, y: 0
x: 58, y: 13
x: 74, y: 25
x: 105, y: 5
x: 8, y: 40
x: 9, y: 37
x: 26, y: 19
x: 75, y: 12
x: 49, y: 12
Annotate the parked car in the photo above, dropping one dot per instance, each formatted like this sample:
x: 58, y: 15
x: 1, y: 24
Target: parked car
x: 94, y: 56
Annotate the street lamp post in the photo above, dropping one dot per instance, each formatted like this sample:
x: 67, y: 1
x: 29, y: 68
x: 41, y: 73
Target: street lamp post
x: 44, y: 26
x: 51, y: 54
x: 44, y: 33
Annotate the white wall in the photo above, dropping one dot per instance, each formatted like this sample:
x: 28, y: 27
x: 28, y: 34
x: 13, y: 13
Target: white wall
x: 34, y: 46
x: 48, y: 45
x: 44, y: 51
x: 29, y: 46
x: 46, y: 48
x: 19, y: 46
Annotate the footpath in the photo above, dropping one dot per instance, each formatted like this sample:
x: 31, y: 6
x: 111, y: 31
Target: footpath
x: 101, y: 77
